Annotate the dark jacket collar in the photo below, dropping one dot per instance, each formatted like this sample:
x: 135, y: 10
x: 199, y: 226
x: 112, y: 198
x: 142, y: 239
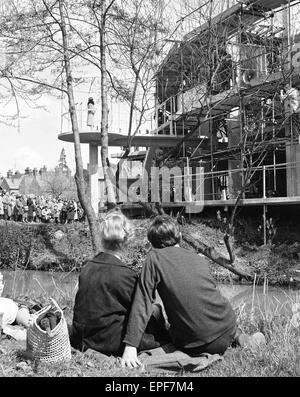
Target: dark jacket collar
x: 105, y: 257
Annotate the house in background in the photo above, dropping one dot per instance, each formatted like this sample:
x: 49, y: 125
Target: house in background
x: 30, y: 182
x: 11, y: 183
x: 34, y: 181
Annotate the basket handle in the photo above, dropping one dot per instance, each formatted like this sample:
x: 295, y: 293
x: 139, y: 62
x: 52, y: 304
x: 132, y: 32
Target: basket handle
x: 47, y: 308
x: 43, y: 310
x: 56, y: 304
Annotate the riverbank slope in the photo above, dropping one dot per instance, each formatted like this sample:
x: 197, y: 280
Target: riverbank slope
x: 66, y: 247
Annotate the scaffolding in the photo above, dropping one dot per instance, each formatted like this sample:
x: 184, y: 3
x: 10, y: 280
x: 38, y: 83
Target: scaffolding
x: 224, y: 82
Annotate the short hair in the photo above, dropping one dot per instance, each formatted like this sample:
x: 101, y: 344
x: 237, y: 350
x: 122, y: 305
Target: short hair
x: 115, y: 231
x: 164, y: 232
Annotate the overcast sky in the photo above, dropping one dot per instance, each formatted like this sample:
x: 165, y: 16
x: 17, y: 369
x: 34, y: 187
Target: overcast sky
x: 37, y: 144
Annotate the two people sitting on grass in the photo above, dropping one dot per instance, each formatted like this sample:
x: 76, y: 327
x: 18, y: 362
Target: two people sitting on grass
x: 116, y: 312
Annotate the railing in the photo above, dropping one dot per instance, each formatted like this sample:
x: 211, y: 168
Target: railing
x: 82, y: 114
x: 264, y: 182
x: 185, y: 187
x: 164, y: 114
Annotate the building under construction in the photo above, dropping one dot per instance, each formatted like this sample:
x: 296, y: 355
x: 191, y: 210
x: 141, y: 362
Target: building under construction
x: 234, y: 83
x: 227, y: 101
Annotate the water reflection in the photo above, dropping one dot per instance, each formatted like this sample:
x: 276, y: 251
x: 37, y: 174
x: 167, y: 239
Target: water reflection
x: 36, y: 284
x: 63, y: 286
x: 265, y: 301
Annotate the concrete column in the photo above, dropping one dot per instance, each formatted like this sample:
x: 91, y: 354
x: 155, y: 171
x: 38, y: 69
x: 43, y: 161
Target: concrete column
x: 93, y: 176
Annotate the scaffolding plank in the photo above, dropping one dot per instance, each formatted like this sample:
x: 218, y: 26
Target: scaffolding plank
x: 269, y: 4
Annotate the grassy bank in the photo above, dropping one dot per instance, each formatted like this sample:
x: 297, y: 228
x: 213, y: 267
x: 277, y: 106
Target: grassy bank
x: 66, y: 247
x: 278, y: 358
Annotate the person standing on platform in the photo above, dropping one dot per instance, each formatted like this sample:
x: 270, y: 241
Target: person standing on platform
x: 91, y: 113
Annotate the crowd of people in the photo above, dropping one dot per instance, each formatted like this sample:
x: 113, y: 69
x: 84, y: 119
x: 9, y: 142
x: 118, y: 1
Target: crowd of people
x: 30, y: 208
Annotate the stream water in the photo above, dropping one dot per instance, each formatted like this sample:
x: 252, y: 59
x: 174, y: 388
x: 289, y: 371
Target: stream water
x: 37, y: 284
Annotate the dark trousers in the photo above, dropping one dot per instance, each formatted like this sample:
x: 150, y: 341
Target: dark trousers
x: 217, y: 346
x: 156, y: 333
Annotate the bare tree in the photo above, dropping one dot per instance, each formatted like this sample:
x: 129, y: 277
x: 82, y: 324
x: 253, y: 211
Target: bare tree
x: 59, y: 184
x: 37, y: 43
x: 45, y: 42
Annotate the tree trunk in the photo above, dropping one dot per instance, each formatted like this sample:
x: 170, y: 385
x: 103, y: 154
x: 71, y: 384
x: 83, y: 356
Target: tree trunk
x: 111, y: 197
x: 212, y: 254
x: 79, y: 176
x: 200, y: 247
x: 129, y: 134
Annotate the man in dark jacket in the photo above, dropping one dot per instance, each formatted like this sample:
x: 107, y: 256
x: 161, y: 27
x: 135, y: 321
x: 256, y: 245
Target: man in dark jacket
x: 201, y: 319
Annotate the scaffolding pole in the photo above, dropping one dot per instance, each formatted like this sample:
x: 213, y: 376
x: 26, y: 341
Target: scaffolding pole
x: 265, y: 223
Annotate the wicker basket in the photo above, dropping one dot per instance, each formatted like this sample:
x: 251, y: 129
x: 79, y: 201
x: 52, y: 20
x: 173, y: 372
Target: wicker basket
x: 52, y: 346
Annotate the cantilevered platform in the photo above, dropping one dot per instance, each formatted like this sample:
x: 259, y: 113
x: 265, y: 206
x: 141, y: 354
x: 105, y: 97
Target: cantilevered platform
x: 94, y: 138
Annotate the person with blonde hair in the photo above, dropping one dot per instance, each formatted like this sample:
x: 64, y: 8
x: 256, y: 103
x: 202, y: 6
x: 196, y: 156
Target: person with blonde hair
x: 105, y: 293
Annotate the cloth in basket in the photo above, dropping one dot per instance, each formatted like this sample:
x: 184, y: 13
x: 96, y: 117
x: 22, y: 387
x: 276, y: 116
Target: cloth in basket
x: 49, y: 346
